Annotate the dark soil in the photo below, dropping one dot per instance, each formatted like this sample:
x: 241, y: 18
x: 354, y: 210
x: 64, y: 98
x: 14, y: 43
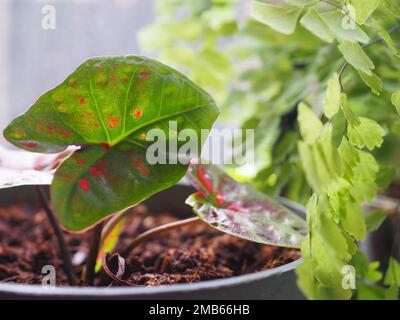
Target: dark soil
x: 190, y: 254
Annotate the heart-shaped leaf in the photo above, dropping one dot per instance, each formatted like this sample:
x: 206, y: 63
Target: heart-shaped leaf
x: 241, y: 211
x: 18, y: 168
x: 14, y: 177
x: 107, y: 106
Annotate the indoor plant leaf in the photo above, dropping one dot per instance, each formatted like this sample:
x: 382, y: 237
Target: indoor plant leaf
x: 368, y: 133
x: 392, y: 279
x: 241, y: 211
x: 373, y: 81
x: 15, y: 177
x: 300, y: 3
x: 364, y: 9
x: 396, y: 100
x: 280, y: 18
x: 374, y: 219
x: 333, y: 96
x: 107, y: 106
x: 392, y: 276
x: 309, y: 124
x: 334, y: 20
x: 18, y: 168
x: 313, y: 22
x: 356, y: 56
x: 385, y: 35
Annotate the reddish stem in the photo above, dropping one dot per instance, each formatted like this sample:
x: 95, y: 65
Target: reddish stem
x: 89, y: 274
x: 149, y: 234
x: 65, y: 256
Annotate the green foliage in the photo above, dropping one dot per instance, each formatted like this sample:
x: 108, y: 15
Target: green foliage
x: 366, y: 271
x: 314, y: 23
x: 396, y: 100
x: 333, y: 97
x: 277, y: 56
x: 335, y: 20
x: 367, y: 133
x: 367, y: 277
x: 309, y: 124
x: 107, y: 106
x: 374, y: 219
x: 356, y: 56
x: 392, y: 279
x: 372, y: 81
x: 282, y: 19
x: 364, y: 9
x: 342, y: 178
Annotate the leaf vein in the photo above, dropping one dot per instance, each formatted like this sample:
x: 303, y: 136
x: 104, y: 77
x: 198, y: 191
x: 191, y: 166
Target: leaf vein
x: 97, y: 107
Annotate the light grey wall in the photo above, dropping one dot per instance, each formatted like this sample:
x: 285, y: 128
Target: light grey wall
x: 39, y: 59
x: 4, y: 114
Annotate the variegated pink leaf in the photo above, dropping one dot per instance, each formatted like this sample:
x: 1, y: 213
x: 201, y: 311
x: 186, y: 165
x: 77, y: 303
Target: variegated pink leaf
x: 241, y: 211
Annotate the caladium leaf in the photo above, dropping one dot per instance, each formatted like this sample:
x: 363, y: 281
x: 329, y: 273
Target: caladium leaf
x: 14, y: 177
x: 241, y: 211
x: 18, y: 168
x: 107, y: 106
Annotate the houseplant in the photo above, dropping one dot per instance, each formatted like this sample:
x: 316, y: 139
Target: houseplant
x: 340, y: 59
x: 318, y: 82
x: 111, y: 109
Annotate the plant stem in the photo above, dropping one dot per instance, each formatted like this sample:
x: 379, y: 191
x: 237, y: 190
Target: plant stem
x: 65, y: 256
x: 89, y: 274
x: 110, y: 225
x: 379, y: 39
x: 331, y: 3
x: 157, y: 231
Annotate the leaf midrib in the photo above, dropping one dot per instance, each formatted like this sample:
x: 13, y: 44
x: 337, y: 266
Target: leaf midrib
x: 86, y: 167
x: 134, y: 73
x: 163, y: 118
x: 97, y: 108
x: 123, y: 137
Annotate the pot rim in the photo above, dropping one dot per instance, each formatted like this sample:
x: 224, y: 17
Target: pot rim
x: 120, y: 292
x: 38, y: 290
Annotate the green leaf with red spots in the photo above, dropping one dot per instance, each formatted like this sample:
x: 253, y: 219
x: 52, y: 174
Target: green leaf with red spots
x: 107, y: 107
x: 241, y: 211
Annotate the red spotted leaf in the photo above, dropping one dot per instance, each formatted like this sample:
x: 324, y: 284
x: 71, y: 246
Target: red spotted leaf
x: 107, y: 106
x: 241, y: 211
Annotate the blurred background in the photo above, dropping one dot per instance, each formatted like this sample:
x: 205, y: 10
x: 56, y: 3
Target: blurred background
x: 31, y: 50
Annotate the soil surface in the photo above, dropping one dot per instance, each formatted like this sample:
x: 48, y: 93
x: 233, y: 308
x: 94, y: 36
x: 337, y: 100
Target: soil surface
x: 191, y: 254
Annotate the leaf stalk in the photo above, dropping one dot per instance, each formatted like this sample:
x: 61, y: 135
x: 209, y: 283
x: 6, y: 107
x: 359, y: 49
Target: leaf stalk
x: 149, y: 234
x: 377, y: 40
x: 65, y: 255
x: 90, y: 273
